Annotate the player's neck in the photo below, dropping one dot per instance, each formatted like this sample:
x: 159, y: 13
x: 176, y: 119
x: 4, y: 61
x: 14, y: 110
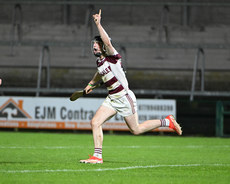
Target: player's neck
x: 102, y: 57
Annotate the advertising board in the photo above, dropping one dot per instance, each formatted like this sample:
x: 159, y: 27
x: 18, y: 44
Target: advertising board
x: 61, y: 113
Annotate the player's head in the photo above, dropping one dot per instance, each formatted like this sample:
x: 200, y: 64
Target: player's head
x: 98, y: 47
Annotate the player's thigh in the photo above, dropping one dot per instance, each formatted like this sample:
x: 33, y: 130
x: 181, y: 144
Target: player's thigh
x: 132, y: 122
x: 103, y: 113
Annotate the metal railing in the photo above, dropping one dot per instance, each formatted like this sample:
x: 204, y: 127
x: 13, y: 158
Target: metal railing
x: 88, y: 28
x: 163, y: 28
x: 66, y: 14
x: 200, y: 51
x: 16, y: 30
x: 163, y: 31
x: 45, y: 49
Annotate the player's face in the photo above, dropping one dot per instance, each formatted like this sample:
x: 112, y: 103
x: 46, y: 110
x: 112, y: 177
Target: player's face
x: 96, y: 48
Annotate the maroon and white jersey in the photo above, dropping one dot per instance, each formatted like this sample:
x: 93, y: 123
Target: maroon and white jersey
x: 113, y: 76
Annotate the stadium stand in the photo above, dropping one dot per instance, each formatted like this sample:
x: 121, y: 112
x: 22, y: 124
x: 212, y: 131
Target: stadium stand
x: 159, y: 42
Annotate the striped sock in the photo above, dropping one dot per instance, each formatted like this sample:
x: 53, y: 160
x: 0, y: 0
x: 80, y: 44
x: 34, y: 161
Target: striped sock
x: 164, y: 122
x: 98, y: 152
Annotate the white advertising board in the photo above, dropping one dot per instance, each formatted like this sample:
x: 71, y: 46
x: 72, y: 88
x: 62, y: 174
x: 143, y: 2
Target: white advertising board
x: 61, y: 113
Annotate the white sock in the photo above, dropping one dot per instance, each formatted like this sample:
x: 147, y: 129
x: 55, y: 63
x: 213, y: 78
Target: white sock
x: 164, y: 122
x: 97, y: 152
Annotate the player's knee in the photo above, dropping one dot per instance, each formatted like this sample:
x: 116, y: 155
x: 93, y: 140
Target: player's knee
x: 136, y: 132
x: 93, y: 123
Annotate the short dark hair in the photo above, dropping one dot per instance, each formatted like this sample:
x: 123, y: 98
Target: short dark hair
x: 98, y: 39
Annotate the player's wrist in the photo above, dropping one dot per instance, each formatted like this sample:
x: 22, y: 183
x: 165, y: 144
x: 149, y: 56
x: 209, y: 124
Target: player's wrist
x: 90, y: 84
x: 98, y: 24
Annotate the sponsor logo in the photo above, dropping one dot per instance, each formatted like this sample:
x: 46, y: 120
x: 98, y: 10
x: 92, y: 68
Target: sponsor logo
x: 12, y: 110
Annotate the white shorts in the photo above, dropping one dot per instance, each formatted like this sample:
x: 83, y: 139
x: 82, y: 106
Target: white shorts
x: 125, y: 106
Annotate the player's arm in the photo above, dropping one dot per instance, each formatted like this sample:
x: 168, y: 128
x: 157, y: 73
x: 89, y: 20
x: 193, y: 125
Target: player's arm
x: 96, y: 78
x: 104, y: 36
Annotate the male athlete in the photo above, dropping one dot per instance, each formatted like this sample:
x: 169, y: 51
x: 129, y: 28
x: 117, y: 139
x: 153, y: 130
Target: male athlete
x: 120, y: 98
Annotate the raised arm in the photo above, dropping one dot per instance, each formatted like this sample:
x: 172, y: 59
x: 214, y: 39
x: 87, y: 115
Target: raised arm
x: 104, y: 36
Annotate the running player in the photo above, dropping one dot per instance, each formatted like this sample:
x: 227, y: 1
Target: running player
x: 120, y: 98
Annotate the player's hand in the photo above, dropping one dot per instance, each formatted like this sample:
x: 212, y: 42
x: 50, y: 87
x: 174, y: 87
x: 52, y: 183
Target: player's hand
x: 97, y: 18
x: 88, y: 89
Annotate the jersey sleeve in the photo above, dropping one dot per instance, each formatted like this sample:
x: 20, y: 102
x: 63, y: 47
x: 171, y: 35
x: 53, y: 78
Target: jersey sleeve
x: 114, y: 58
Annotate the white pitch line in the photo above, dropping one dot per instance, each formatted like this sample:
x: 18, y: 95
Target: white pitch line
x: 108, y: 169
x: 117, y: 147
x: 42, y: 147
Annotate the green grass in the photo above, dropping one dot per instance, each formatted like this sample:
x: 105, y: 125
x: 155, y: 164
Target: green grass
x: 54, y: 158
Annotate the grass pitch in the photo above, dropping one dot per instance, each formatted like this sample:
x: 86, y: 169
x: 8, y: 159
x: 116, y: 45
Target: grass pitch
x: 54, y: 158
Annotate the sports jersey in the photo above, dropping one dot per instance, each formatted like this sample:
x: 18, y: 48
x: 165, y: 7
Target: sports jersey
x: 110, y: 68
